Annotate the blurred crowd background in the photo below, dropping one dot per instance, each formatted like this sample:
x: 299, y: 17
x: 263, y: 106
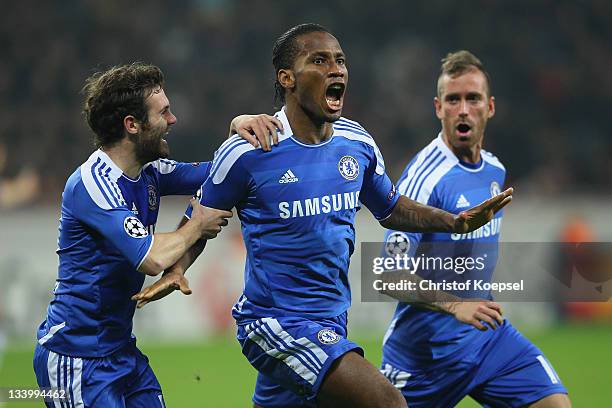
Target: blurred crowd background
x: 549, y: 62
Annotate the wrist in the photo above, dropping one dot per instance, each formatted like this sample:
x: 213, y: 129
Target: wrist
x: 453, y: 222
x: 174, y: 271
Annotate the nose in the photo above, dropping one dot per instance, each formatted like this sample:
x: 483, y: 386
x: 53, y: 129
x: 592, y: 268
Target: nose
x: 171, y: 119
x: 337, y: 70
x: 463, y: 108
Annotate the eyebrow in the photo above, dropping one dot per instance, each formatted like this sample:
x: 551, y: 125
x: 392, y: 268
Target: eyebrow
x: 326, y: 53
x: 468, y: 95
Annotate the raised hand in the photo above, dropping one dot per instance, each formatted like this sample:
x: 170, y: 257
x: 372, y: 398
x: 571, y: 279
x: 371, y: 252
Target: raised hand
x: 258, y: 130
x: 478, y: 216
x: 167, y: 284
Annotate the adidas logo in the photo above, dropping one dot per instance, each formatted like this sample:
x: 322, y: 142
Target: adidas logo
x: 134, y: 209
x: 462, y: 202
x: 288, y: 177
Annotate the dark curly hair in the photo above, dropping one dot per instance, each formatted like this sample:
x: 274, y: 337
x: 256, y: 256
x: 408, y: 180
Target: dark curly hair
x: 113, y: 94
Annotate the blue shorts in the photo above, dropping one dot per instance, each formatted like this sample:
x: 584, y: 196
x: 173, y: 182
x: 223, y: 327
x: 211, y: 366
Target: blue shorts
x: 508, y: 371
x: 121, y: 380
x: 293, y: 355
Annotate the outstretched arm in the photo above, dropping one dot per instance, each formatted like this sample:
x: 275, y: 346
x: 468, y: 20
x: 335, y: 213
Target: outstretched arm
x: 168, y: 248
x: 468, y: 311
x: 411, y: 216
x: 174, y: 277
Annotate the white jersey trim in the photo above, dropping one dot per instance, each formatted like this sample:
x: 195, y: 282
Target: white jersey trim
x: 100, y: 175
x: 163, y: 166
x: 491, y: 159
x: 549, y: 370
x: 147, y: 253
x: 52, y: 331
x: 66, y: 373
x: 224, y: 161
x: 432, y: 163
x: 303, y: 356
x: 287, y: 131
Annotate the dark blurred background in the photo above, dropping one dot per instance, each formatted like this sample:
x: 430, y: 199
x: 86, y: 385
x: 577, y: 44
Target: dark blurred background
x: 549, y: 62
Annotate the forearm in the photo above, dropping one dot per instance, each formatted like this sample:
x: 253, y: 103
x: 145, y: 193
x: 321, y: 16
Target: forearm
x: 436, y: 300
x: 188, y: 259
x: 411, y: 216
x: 168, y: 248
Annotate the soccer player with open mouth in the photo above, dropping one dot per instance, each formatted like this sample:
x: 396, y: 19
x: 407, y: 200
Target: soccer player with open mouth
x: 297, y: 210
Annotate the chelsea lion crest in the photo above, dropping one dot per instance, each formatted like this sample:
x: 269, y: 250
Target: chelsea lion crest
x: 152, y: 193
x: 328, y: 336
x: 348, y: 167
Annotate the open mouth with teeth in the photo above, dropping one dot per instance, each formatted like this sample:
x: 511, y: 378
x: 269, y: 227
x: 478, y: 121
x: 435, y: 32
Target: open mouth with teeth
x: 334, y: 95
x: 463, y: 129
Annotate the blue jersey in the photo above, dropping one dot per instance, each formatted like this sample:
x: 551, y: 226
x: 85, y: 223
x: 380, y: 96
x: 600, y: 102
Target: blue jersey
x: 106, y: 231
x: 297, y: 206
x: 437, y: 178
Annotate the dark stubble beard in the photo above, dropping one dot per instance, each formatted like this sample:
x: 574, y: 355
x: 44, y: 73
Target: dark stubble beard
x: 150, y: 145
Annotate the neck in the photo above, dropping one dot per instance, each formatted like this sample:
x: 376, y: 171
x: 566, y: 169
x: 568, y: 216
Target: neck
x: 123, y: 155
x: 469, y: 154
x: 306, y: 128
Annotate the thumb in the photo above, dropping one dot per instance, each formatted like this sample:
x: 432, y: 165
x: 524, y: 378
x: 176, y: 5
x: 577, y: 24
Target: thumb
x: 184, y: 287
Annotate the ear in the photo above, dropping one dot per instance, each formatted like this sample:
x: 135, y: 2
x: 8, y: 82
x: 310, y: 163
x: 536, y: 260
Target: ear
x: 286, y: 78
x: 491, y: 107
x: 131, y: 125
x: 438, y: 107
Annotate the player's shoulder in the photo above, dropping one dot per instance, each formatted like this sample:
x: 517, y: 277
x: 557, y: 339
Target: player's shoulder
x: 161, y: 166
x: 491, y: 159
x: 234, y: 150
x: 430, y: 166
x: 353, y: 131
x: 98, y: 177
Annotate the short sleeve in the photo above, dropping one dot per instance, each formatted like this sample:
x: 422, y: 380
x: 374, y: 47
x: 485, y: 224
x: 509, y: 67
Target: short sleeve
x: 229, y: 181
x: 378, y: 193
x: 400, y: 242
x: 178, y: 178
x: 117, y: 225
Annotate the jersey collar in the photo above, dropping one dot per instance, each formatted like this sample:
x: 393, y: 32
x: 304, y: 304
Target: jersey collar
x: 449, y: 154
x: 115, y: 172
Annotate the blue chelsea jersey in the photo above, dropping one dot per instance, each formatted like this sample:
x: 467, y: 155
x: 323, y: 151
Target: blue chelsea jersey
x: 436, y: 177
x: 106, y: 231
x: 297, y: 206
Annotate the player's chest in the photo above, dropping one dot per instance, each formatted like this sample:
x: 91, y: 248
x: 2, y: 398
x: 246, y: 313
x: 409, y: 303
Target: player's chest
x: 311, y: 185
x: 142, y: 199
x: 462, y: 193
x: 311, y: 173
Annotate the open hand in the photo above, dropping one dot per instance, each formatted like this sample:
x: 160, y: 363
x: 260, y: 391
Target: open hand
x: 258, y: 130
x: 167, y: 284
x: 478, y: 216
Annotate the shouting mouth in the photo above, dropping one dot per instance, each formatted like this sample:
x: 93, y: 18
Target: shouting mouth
x: 464, y: 130
x: 334, y: 96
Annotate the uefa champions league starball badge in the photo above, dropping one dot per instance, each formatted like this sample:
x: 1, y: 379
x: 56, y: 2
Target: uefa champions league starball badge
x: 397, y: 244
x: 348, y: 167
x: 328, y: 336
x: 134, y: 227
